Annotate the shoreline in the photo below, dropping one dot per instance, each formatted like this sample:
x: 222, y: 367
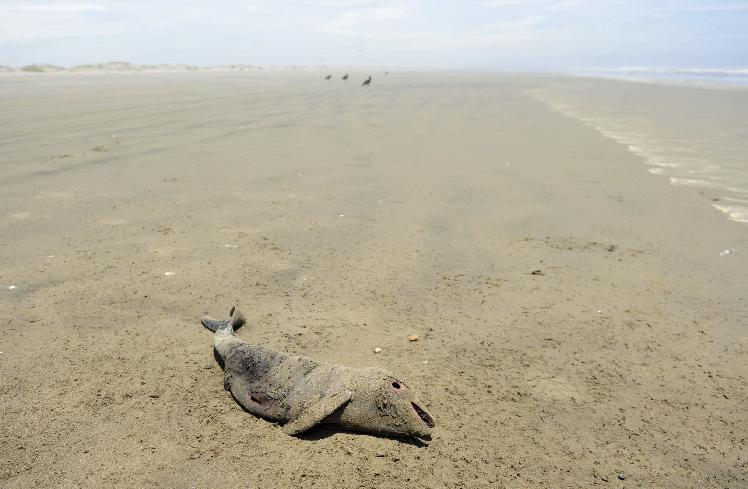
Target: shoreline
x: 707, y: 154
x: 713, y: 83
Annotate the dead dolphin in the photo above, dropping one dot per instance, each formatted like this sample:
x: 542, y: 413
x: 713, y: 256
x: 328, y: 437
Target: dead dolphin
x: 302, y: 392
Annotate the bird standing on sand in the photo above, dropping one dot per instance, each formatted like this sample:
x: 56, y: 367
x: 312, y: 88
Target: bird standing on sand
x: 328, y: 77
x: 345, y: 77
x: 366, y: 82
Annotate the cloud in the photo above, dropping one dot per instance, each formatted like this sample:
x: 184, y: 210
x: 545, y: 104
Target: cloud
x: 532, y: 4
x: 525, y: 30
x: 59, y: 7
x: 40, y: 21
x: 44, y: 21
x: 478, y: 32
x: 351, y: 22
x: 712, y: 7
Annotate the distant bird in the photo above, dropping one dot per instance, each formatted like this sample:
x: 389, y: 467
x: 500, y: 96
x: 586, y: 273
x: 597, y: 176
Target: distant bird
x: 328, y: 77
x: 345, y: 77
x: 366, y: 82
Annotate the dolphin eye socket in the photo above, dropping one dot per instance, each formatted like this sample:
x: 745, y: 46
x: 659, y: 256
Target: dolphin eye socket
x: 396, y: 385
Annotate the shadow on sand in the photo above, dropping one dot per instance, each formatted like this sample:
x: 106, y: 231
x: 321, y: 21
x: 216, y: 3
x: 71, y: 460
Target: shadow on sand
x: 320, y: 432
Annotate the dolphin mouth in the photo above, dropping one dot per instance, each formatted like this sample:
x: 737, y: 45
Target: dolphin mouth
x: 423, y: 415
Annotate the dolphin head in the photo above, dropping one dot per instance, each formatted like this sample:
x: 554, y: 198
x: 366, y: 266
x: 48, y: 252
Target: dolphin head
x: 384, y: 404
x: 405, y: 409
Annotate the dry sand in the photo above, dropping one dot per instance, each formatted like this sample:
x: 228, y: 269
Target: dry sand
x: 575, y: 317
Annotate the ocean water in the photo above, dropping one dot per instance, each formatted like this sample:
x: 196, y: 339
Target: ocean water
x: 694, y: 136
x: 707, y: 77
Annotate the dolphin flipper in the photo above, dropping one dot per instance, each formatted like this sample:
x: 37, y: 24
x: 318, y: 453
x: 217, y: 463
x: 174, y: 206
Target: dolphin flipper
x: 253, y: 400
x: 315, y: 413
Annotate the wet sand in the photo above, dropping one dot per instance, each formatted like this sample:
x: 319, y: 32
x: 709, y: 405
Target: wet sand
x: 576, y: 320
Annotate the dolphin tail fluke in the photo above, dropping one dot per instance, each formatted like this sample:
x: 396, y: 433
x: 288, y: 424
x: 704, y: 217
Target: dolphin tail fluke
x: 230, y: 325
x: 224, y: 339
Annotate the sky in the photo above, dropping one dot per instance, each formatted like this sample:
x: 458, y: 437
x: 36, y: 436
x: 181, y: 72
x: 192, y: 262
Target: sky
x: 524, y: 35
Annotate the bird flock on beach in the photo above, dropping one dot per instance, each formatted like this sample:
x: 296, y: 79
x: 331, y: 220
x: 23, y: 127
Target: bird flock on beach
x: 366, y: 82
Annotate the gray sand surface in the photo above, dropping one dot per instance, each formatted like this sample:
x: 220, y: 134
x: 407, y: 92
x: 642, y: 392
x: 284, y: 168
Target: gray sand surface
x: 342, y: 219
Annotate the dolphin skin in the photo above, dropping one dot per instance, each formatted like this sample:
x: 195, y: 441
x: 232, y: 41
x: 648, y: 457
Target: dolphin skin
x: 301, y: 393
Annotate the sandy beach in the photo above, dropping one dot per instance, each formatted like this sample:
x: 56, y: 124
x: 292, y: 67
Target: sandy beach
x: 579, y: 317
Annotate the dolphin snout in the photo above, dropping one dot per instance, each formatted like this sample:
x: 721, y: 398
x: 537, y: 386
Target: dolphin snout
x: 424, y: 415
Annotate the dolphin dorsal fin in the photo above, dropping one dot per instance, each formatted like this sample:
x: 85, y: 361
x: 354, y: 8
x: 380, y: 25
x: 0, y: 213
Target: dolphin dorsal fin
x: 316, y: 412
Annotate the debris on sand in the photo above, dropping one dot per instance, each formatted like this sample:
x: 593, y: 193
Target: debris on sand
x: 413, y: 337
x: 169, y: 274
x: 377, y: 350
